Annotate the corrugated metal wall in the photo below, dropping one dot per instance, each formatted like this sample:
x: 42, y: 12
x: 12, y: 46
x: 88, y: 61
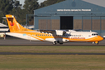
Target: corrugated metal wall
x: 49, y: 24
x: 102, y: 24
x: 86, y: 24
x: 77, y: 24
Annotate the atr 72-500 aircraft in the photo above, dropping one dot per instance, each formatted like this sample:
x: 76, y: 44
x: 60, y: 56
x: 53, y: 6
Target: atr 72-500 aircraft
x: 54, y: 36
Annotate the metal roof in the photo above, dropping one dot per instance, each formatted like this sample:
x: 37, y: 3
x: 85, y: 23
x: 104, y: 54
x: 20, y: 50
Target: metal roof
x: 96, y: 2
x: 73, y: 7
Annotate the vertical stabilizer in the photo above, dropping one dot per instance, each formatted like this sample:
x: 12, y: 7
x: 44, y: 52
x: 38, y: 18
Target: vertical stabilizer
x: 14, y: 26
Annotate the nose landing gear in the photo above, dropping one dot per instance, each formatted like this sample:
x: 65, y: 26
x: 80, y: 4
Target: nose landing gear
x: 95, y: 42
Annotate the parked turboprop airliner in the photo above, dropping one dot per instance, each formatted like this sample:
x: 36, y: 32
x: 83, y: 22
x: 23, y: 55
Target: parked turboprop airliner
x: 54, y: 36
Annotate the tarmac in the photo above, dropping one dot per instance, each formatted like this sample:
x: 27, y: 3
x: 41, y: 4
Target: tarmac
x: 20, y: 53
x: 20, y: 42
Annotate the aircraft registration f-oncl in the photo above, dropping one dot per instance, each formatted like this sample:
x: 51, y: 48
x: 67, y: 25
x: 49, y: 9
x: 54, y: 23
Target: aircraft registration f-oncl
x: 54, y: 36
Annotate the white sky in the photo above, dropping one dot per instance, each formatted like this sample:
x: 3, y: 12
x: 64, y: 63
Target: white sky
x: 40, y: 1
x: 22, y: 1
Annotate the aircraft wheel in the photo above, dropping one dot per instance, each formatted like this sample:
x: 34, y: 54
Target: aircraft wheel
x: 54, y: 43
x: 60, y: 43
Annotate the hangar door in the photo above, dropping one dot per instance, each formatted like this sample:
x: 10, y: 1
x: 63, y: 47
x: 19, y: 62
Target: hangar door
x: 66, y: 22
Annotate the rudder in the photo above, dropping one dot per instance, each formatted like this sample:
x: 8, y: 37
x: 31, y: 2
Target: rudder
x: 14, y: 26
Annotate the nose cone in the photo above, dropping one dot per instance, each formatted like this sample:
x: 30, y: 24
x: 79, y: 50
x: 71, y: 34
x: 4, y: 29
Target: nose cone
x: 99, y: 38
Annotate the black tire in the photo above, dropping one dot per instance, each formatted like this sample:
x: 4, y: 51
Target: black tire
x: 61, y: 43
x: 54, y: 43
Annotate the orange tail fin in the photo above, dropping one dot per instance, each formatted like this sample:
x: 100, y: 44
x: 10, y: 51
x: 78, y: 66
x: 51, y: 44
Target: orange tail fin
x: 14, y: 26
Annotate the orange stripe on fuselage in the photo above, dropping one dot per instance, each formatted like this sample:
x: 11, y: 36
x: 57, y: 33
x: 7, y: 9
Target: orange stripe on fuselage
x: 40, y: 36
x: 93, y: 39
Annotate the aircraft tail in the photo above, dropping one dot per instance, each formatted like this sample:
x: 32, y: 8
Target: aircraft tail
x: 14, y: 26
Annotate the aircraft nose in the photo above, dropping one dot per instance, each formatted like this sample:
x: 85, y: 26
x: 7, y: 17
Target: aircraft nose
x: 100, y: 38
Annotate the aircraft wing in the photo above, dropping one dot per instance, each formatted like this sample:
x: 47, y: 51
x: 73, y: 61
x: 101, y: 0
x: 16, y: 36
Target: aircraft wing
x: 47, y: 31
x: 54, y: 32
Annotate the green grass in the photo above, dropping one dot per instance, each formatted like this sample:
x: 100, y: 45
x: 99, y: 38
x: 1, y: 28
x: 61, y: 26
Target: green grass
x: 54, y: 49
x: 52, y: 62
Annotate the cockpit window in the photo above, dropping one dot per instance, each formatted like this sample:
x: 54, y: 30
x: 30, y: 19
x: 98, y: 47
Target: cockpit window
x: 94, y: 34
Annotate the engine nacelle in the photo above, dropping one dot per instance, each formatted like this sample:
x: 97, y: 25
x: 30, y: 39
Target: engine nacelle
x: 60, y: 32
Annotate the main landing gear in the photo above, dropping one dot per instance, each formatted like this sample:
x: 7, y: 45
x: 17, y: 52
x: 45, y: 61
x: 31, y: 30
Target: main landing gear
x: 55, y: 42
